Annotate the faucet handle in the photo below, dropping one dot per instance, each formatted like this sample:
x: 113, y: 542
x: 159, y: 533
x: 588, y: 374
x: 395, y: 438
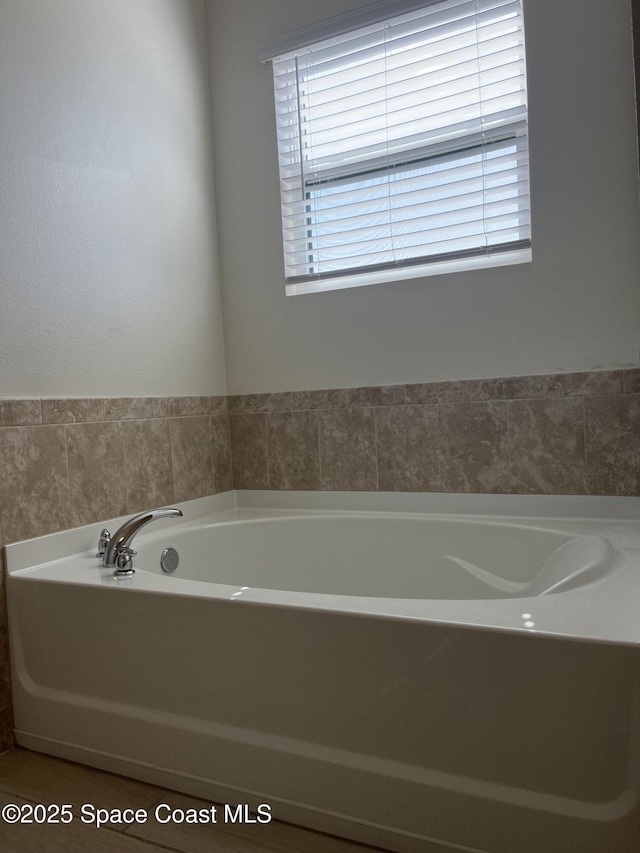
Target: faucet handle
x: 124, y: 562
x: 103, y: 543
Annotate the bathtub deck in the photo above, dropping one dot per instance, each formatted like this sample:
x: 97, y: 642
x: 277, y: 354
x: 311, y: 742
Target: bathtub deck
x: 28, y: 777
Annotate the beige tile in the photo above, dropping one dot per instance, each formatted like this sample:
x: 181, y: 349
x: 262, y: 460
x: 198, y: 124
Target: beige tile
x: 216, y: 405
x: 179, y: 407
x: 330, y: 398
x: 69, y: 411
x: 595, y: 382
x: 44, y: 779
x: 147, y: 458
x: 488, y: 389
x: 613, y: 445
x: 247, y: 404
x: 34, y: 495
x: 473, y: 448
x: 191, y: 458
x: 20, y: 412
x: 347, y: 450
x: 221, y: 453
x: 97, y: 478
x: 546, y: 446
x: 375, y: 395
x: 525, y: 387
x: 438, y: 392
x: 128, y: 408
x: 407, y: 443
x: 292, y: 441
x: 587, y: 383
x: 249, y: 451
x: 631, y: 381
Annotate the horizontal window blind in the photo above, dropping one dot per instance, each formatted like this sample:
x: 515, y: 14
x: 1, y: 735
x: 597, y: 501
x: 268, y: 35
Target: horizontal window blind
x: 405, y: 142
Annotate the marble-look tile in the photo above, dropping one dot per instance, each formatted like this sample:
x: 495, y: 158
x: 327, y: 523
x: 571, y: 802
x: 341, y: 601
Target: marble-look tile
x: 97, y: 477
x: 216, y: 405
x: 34, y: 494
x: 70, y: 411
x: 613, y: 445
x: 179, y: 407
x: 147, y: 459
x: 546, y: 446
x: 221, y: 453
x: 488, y: 389
x: 292, y: 442
x: 247, y: 404
x: 421, y: 394
x: 191, y: 455
x: 407, y: 443
x: 589, y: 383
x: 563, y: 384
x: 473, y: 448
x: 631, y: 381
x: 376, y: 395
x: 249, y: 451
x: 127, y: 408
x: 347, y: 450
x: 330, y: 398
x: 524, y: 387
x: 26, y: 412
x: 20, y: 412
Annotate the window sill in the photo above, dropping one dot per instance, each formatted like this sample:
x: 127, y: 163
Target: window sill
x: 519, y: 256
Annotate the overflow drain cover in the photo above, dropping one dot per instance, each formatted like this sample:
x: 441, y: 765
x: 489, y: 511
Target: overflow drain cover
x: 169, y: 560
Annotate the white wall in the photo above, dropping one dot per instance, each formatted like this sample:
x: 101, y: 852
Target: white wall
x: 575, y: 307
x: 108, y: 267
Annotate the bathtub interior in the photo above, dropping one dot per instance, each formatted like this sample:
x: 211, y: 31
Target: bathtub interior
x: 386, y: 556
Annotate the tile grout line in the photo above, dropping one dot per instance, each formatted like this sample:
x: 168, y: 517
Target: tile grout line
x: 586, y: 455
x: 375, y: 448
x: 266, y: 444
x: 66, y: 459
x: 319, y: 455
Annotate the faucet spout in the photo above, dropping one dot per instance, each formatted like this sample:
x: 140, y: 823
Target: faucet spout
x: 119, y: 552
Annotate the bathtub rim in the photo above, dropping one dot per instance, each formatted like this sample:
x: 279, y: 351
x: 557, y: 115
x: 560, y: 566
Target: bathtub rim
x: 603, y: 612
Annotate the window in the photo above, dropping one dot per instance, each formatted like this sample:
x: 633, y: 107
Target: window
x: 403, y: 142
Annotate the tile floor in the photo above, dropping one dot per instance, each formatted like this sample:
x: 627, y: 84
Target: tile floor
x: 30, y: 778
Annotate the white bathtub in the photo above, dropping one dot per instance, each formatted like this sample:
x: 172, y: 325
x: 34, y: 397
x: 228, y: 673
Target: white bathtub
x: 425, y: 673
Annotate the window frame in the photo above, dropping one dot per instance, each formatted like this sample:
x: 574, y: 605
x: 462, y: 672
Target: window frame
x: 487, y: 256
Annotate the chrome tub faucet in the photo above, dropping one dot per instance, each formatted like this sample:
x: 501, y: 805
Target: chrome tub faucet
x: 116, y: 550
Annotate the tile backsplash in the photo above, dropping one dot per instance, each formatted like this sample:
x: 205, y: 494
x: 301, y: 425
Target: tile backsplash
x: 69, y: 462
x: 570, y: 433
x: 64, y: 463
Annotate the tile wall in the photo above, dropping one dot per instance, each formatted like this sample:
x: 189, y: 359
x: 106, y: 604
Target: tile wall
x: 576, y: 433
x: 64, y: 463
